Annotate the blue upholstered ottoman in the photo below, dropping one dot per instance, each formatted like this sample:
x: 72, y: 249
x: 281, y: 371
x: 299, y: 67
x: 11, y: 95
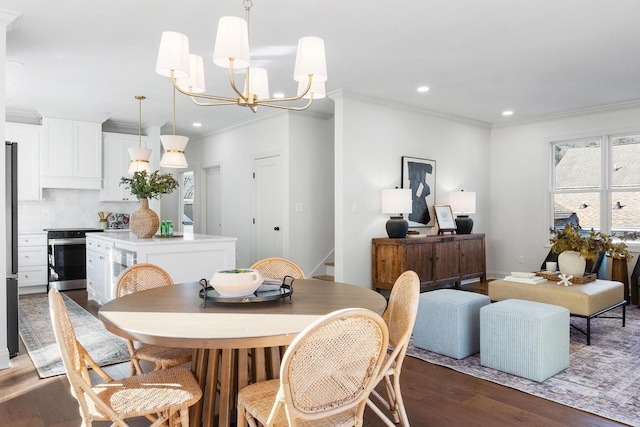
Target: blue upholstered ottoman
x: 525, y: 338
x: 448, y: 322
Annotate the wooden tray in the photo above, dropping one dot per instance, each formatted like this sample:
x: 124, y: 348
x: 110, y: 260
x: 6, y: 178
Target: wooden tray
x: 590, y: 277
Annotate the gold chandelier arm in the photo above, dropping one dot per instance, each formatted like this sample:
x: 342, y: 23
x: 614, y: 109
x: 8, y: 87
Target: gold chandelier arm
x: 267, y: 103
x: 227, y: 101
x: 233, y: 80
x: 291, y: 98
x: 200, y: 95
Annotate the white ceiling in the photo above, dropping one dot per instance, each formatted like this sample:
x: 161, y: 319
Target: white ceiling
x: 479, y: 57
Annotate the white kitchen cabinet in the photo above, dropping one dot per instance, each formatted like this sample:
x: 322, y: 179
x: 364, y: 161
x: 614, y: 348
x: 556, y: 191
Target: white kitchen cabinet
x: 116, y: 163
x: 71, y: 152
x: 32, y: 263
x: 98, y: 270
x: 28, y: 139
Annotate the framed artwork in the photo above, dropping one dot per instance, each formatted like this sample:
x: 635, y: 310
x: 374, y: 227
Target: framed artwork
x: 420, y: 176
x: 444, y: 216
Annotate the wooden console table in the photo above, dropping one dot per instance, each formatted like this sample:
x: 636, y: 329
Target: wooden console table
x: 436, y: 259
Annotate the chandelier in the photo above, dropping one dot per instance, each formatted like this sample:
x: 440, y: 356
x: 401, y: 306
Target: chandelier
x: 232, y: 51
x: 139, y: 156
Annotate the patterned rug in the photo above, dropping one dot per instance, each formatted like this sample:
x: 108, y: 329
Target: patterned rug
x: 37, y: 334
x: 603, y: 378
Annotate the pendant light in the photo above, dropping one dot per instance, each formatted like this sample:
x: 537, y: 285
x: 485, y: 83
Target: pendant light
x: 139, y: 156
x: 174, y: 145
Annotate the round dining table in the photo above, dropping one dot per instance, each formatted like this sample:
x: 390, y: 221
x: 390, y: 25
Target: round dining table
x: 234, y: 344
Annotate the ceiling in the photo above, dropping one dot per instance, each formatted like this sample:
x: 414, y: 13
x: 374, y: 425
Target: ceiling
x: 479, y: 58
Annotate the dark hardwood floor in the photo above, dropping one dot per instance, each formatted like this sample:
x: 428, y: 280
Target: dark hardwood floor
x: 433, y: 395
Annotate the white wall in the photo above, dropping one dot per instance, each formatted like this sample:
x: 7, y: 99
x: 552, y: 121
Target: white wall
x: 520, y: 156
x: 371, y: 138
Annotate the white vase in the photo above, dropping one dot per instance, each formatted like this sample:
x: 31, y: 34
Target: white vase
x: 572, y: 263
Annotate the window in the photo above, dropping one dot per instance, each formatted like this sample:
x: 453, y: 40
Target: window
x: 596, y: 183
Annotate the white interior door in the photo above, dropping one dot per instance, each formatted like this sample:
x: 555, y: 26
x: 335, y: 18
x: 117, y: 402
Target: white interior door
x: 267, y: 208
x: 214, y: 200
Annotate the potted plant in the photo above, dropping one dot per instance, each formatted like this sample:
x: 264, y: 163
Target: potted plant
x: 575, y: 248
x: 144, y: 222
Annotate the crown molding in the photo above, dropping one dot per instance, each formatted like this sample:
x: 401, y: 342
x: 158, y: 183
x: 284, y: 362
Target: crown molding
x: 10, y: 19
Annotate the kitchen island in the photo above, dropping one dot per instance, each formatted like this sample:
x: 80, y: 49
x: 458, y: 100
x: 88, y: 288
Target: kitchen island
x: 187, y: 258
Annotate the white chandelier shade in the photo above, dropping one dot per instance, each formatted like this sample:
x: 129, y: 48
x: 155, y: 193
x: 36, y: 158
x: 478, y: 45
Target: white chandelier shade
x: 195, y: 81
x: 173, y: 57
x: 231, y: 51
x: 173, y: 156
x: 232, y: 41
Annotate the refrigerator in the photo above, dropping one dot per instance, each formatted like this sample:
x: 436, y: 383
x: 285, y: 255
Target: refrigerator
x: 11, y: 179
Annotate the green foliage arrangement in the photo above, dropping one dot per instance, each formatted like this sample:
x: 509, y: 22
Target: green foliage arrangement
x: 570, y: 239
x: 145, y: 186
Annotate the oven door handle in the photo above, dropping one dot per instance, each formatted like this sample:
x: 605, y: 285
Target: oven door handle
x: 70, y: 241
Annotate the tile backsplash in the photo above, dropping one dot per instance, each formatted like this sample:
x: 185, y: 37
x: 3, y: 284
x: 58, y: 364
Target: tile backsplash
x: 66, y: 208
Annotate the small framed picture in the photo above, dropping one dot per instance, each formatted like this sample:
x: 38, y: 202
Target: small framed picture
x: 444, y: 216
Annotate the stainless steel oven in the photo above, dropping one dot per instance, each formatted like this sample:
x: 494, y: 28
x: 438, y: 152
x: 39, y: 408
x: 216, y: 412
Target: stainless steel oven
x: 67, y: 258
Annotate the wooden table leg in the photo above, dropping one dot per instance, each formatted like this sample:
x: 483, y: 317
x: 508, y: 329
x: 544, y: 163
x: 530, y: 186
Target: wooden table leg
x: 199, y: 369
x: 226, y: 387
x: 211, y: 388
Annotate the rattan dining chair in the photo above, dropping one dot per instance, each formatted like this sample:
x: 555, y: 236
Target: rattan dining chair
x: 400, y: 316
x: 140, y: 277
x: 163, y: 396
x: 326, y: 374
x: 278, y: 268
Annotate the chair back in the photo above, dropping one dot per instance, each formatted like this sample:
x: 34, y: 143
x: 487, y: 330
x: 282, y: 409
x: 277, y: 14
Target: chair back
x: 277, y: 268
x: 400, y: 317
x: 140, y: 277
x: 331, y: 367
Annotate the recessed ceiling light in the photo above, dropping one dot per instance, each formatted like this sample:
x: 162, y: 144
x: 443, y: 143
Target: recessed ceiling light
x: 278, y: 95
x: 197, y: 125
x: 507, y: 113
x: 423, y: 89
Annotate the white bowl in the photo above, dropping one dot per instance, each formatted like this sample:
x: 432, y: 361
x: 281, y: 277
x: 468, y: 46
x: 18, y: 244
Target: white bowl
x: 236, y: 283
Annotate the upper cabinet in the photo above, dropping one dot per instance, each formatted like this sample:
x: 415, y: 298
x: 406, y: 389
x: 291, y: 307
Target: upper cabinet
x: 28, y: 139
x: 116, y: 165
x: 71, y: 152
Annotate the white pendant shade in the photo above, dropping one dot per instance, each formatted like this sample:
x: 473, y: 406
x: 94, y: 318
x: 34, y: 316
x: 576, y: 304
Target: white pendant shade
x: 173, y: 55
x: 317, y: 89
x: 232, y: 41
x: 173, y: 156
x: 258, y: 83
x: 310, y: 59
x: 139, y: 160
x: 195, y: 81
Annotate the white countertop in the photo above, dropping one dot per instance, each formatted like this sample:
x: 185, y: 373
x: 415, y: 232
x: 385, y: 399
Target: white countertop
x: 128, y: 237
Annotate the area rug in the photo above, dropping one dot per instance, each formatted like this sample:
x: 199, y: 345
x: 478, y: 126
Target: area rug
x: 603, y: 378
x: 37, y: 334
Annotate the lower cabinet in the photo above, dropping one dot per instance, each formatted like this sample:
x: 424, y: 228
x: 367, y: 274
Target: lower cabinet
x: 32, y: 263
x: 436, y: 259
x: 98, y: 271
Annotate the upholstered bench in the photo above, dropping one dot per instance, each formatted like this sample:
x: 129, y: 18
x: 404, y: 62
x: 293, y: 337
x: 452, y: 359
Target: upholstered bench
x: 448, y: 322
x: 524, y: 338
x: 588, y: 301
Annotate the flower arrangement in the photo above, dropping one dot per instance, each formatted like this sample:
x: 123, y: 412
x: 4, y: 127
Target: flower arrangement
x: 145, y: 186
x: 570, y: 239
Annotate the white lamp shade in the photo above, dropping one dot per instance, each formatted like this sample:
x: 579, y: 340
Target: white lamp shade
x: 232, y: 41
x: 317, y: 89
x: 258, y: 83
x: 310, y: 59
x: 139, y: 159
x: 396, y: 201
x: 173, y: 55
x: 463, y: 202
x: 173, y: 156
x: 195, y: 82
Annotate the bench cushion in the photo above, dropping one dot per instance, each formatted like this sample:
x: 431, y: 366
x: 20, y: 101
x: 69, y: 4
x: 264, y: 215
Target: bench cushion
x: 583, y: 300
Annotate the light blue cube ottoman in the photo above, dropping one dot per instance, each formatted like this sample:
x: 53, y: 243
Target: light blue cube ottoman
x: 525, y: 338
x: 448, y: 322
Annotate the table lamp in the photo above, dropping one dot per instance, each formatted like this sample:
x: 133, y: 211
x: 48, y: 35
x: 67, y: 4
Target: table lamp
x: 397, y: 201
x: 462, y: 204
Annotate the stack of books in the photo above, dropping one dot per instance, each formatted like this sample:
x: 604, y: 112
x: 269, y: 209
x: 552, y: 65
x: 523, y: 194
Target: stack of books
x: 529, y: 278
